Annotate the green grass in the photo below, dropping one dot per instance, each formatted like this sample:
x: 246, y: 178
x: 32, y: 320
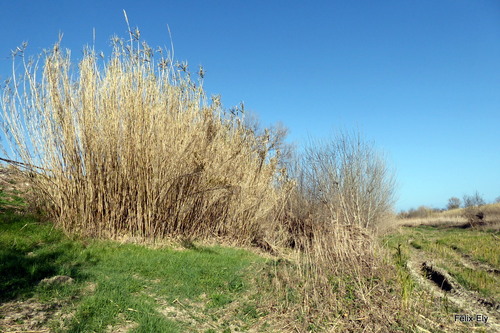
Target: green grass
x: 481, y: 245
x: 11, y: 199
x: 29, y: 252
x: 157, y: 290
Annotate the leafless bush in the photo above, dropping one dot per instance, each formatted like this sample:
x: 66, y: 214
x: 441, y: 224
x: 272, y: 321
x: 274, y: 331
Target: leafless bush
x: 473, y: 209
x: 453, y: 203
x: 349, y: 179
x: 341, y: 187
x: 474, y: 200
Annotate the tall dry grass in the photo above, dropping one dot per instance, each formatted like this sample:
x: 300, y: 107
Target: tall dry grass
x: 132, y: 145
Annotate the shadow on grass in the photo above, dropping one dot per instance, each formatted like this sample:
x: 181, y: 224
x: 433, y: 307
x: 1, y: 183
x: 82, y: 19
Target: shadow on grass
x: 189, y: 245
x: 31, y: 251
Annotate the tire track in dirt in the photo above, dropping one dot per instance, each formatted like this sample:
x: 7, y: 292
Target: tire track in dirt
x: 469, y: 262
x: 441, y: 284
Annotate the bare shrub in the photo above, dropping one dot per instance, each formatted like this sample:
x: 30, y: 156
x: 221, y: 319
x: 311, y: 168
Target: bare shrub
x: 349, y: 179
x: 474, y: 200
x: 473, y: 209
x: 340, y: 189
x: 453, y: 203
x: 132, y: 145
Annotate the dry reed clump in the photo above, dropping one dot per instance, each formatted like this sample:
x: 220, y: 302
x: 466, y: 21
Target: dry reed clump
x: 132, y: 146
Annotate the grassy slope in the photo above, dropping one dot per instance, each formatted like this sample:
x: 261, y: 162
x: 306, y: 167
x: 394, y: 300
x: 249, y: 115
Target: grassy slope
x: 126, y: 287
x: 153, y: 290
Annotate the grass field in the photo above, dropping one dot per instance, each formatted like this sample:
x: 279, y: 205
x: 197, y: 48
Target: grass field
x: 464, y: 253
x: 452, y: 217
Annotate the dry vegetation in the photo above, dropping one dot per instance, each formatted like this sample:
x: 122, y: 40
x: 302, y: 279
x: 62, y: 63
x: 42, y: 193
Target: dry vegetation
x: 460, y: 217
x: 132, y: 147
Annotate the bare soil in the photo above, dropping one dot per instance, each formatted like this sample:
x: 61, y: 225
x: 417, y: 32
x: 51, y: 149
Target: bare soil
x: 28, y: 316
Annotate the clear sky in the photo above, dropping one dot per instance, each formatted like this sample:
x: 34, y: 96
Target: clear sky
x: 421, y: 78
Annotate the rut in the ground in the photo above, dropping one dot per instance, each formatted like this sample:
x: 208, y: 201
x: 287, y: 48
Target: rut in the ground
x: 432, y: 278
x: 444, y: 281
x: 439, y: 278
x: 469, y: 262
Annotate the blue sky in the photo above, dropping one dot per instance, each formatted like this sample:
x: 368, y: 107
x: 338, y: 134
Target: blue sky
x: 419, y: 78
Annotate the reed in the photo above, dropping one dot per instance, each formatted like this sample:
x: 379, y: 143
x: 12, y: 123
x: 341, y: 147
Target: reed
x: 133, y: 146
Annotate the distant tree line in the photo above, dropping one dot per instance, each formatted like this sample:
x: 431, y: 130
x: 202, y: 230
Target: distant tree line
x: 470, y: 203
x: 473, y: 200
